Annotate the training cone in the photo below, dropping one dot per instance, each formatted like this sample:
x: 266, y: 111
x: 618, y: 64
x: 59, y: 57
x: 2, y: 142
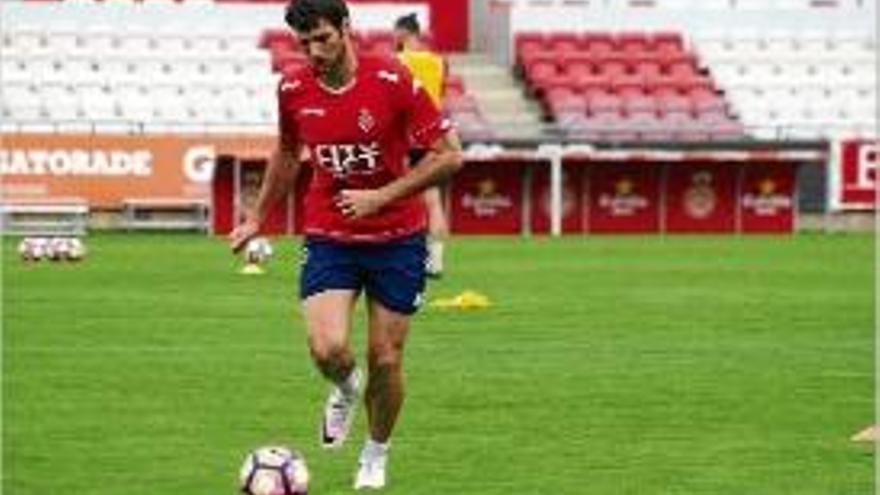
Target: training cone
x: 467, y: 300
x: 869, y: 434
x: 252, y: 269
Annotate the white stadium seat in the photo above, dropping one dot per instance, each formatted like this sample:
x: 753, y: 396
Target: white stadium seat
x: 806, y: 83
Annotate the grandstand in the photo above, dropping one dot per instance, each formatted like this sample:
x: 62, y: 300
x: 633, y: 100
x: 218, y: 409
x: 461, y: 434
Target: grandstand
x: 628, y: 305
x: 795, y: 75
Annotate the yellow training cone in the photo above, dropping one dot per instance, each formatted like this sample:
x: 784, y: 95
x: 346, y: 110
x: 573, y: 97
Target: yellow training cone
x: 869, y: 434
x: 252, y: 269
x: 467, y: 300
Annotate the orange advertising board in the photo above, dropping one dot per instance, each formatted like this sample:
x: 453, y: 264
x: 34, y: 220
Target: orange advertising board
x: 105, y: 170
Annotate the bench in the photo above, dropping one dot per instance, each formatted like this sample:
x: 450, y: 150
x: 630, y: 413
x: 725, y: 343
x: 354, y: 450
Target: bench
x: 55, y: 217
x: 165, y: 214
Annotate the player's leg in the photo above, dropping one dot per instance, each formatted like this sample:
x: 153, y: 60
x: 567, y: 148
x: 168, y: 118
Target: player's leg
x: 329, y: 287
x: 438, y: 230
x: 328, y: 322
x: 394, y: 290
x: 384, y: 394
x: 385, y: 389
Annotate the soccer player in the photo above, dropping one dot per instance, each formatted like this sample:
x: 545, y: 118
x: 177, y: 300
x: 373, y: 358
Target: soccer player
x: 430, y: 70
x: 352, y: 118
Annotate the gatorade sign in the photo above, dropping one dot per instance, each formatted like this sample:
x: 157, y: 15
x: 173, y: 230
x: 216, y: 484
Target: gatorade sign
x: 107, y: 170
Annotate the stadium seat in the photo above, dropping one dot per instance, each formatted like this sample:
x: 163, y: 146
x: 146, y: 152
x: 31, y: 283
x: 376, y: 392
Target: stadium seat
x: 605, y: 104
x: 626, y: 78
x: 639, y: 106
x: 773, y: 78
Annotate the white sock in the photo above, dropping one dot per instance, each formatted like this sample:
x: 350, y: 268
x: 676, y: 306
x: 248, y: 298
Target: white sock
x: 349, y: 386
x: 435, y: 251
x: 373, y: 449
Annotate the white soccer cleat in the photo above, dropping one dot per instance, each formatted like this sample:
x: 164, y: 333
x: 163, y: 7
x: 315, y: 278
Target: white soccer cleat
x: 371, y: 472
x: 339, y: 413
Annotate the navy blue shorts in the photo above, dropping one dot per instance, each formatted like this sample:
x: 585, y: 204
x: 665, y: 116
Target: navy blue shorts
x: 392, y: 273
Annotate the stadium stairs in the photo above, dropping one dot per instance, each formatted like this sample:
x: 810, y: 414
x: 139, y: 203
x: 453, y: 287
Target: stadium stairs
x: 499, y: 96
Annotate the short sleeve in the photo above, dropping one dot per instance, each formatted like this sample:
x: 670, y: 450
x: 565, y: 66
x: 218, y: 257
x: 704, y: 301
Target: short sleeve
x: 425, y: 122
x: 287, y: 126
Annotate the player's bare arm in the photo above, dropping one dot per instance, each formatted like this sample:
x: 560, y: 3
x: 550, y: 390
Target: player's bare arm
x: 279, y: 179
x: 442, y: 161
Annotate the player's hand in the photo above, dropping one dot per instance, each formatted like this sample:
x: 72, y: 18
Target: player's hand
x: 359, y: 203
x: 243, y: 233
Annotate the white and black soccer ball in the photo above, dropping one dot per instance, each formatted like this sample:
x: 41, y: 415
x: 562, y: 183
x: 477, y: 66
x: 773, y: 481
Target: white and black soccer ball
x: 76, y: 250
x: 32, y: 248
x: 26, y: 249
x: 274, y: 470
x: 258, y: 251
x: 58, y: 248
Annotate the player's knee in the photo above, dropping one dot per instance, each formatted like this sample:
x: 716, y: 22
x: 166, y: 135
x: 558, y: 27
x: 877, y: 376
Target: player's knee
x: 386, y: 357
x: 327, y: 352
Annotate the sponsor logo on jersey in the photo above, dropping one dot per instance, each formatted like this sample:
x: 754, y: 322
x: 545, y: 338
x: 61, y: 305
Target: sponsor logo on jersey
x: 312, y: 111
x: 343, y: 160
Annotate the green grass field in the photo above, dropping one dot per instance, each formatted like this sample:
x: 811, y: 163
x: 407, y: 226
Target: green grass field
x: 608, y: 365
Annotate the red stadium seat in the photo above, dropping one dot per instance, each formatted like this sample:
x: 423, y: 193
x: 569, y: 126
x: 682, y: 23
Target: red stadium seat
x: 630, y: 43
x: 684, y: 127
x: 628, y: 84
x: 599, y: 45
x: 650, y: 128
x: 612, y: 66
x: 640, y: 105
x: 667, y: 42
x: 604, y: 103
x: 565, y: 108
x: 541, y: 72
x: 611, y: 127
x: 708, y: 104
x: 673, y: 103
x: 564, y: 43
x: 529, y: 41
x: 646, y: 125
x: 647, y: 68
x: 592, y: 83
x: 577, y: 70
x: 647, y: 81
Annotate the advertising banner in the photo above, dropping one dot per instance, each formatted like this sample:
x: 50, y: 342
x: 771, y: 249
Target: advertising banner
x: 857, y: 175
x: 104, y: 170
x: 701, y: 198
x: 767, y: 198
x: 487, y: 198
x: 572, y: 197
x: 624, y: 198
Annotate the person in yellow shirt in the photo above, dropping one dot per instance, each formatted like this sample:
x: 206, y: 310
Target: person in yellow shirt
x: 429, y: 69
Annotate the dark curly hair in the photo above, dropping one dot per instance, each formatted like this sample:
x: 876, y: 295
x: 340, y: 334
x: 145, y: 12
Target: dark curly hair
x: 304, y: 15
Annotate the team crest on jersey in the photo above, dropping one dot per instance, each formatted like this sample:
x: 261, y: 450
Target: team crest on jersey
x: 366, y: 121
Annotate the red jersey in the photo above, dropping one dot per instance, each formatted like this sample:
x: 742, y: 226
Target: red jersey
x: 358, y: 137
